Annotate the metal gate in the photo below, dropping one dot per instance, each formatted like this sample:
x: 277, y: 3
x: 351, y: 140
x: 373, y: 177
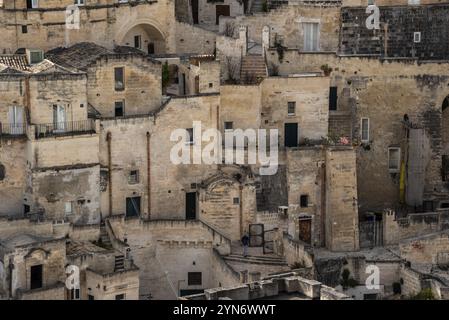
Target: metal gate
x: 371, y: 233
x: 268, y: 241
x: 256, y: 235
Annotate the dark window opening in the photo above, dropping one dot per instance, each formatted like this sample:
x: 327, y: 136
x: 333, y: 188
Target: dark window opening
x: 304, y: 201
x: 291, y: 135
x: 137, y: 42
x: 151, y: 48
x: 189, y: 137
x: 90, y: 297
x: 428, y: 206
x: 2, y: 172
x: 74, y: 294
x: 24, y: 29
x: 194, y: 278
x: 119, y: 110
x: 333, y: 98
x: 229, y: 125
x: 120, y: 297
x: 119, y: 78
x: 36, y: 277
x: 133, y: 207
x: 133, y: 177
x: 236, y: 200
x: 291, y: 108
x: 191, y: 206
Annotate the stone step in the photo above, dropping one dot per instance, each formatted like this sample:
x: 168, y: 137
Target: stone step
x: 252, y: 261
x: 259, y: 258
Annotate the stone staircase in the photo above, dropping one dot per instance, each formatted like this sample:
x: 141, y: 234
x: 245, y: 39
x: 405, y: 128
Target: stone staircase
x: 269, y: 260
x: 104, y: 237
x: 253, y: 69
x: 119, y: 264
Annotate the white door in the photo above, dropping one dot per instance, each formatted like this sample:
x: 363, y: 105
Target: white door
x: 15, y: 117
x: 59, y: 118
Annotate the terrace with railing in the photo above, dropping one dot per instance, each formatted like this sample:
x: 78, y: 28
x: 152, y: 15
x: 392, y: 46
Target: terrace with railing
x: 68, y: 128
x: 12, y: 130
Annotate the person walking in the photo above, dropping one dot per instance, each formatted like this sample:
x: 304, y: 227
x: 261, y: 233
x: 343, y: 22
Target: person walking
x: 245, y: 243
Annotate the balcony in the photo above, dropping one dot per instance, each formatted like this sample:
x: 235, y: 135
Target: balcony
x: 11, y: 130
x: 68, y: 128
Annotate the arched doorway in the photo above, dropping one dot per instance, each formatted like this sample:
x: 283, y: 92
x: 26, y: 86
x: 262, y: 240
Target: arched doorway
x: 145, y: 37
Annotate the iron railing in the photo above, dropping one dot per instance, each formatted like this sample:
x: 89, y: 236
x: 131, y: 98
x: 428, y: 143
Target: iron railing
x: 65, y: 128
x: 12, y: 129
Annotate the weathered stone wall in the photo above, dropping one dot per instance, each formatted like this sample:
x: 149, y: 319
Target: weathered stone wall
x: 142, y: 80
x: 78, y: 188
x: 286, y: 24
x: 12, y: 185
x: 311, y: 97
x: 107, y: 287
x: 193, y: 39
x: 111, y: 22
x: 207, y: 10
x: 397, y: 40
x: 425, y: 249
x: 341, y: 200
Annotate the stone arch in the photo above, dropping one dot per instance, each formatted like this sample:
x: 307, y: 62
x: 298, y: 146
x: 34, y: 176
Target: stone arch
x: 152, y: 38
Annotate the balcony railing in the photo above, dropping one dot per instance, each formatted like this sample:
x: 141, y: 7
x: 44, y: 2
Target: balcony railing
x: 12, y: 129
x: 65, y: 128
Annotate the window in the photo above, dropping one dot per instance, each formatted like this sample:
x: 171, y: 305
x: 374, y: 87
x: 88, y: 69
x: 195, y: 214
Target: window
x: 36, y: 277
x: 229, y: 125
x: 211, y: 85
x: 25, y: 29
x: 36, y: 56
x: 119, y: 78
x: 394, y: 158
x: 333, y: 98
x: 291, y: 108
x: 119, y: 110
x: 194, y: 278
x: 74, y: 294
x: 417, y: 37
x: 133, y: 177
x: 137, y: 42
x: 189, y: 137
x: 79, y: 2
x: 236, y: 200
x: 90, y: 297
x: 151, y: 48
x: 311, y: 36
x: 364, y: 130
x: 15, y: 118
x: 304, y: 201
x: 133, y: 207
x: 68, y: 208
x: 32, y: 4
x: 120, y: 297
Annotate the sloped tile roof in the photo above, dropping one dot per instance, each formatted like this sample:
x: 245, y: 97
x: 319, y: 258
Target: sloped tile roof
x: 15, y: 61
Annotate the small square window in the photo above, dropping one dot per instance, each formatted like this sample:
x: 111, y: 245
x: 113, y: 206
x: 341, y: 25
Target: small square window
x: 193, y: 186
x: 120, y: 297
x: 229, y: 125
x: 211, y: 85
x: 394, y: 159
x: 25, y: 29
x: 236, y: 200
x: 194, y: 278
x: 291, y: 108
x: 304, y: 201
x: 189, y: 137
x: 133, y: 177
x: 417, y: 37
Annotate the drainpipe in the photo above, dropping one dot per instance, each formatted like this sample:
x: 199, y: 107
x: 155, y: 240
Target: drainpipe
x: 149, y: 173
x: 109, y: 139
x: 323, y: 204
x: 11, y: 268
x: 241, y: 210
